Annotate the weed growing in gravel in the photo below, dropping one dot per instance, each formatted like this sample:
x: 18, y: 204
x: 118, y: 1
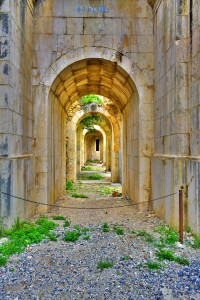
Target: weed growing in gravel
x: 107, y: 190
x: 12, y: 270
x: 118, y: 230
x: 23, y: 234
x: 169, y: 236
x: 196, y: 243
x: 105, y: 227
x: 167, y: 254
x: 91, y: 168
x: 85, y: 229
x: 104, y: 265
x: 3, y: 260
x: 133, y: 231
x: 75, y: 195
x: 77, y: 227
x: 154, y: 265
x: 67, y: 223
x: 86, y: 237
x: 126, y: 257
x: 53, y: 237
x: 148, y: 237
x: 59, y: 218
x: 94, y: 176
x: 69, y: 185
x: 72, y: 236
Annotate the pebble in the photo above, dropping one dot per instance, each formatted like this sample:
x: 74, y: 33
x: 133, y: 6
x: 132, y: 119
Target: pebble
x: 61, y: 270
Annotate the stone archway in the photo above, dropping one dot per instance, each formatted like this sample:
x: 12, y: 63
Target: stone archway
x: 97, y: 72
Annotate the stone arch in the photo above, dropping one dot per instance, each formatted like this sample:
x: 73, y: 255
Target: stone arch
x: 113, y: 139
x: 136, y: 144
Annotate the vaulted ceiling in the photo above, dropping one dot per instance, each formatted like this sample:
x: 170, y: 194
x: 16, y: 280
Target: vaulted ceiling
x: 93, y: 76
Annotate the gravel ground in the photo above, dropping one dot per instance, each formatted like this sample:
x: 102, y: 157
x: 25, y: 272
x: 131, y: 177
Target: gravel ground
x: 66, y: 270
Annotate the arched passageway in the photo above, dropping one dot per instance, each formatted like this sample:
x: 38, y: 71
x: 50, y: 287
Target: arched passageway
x: 108, y: 79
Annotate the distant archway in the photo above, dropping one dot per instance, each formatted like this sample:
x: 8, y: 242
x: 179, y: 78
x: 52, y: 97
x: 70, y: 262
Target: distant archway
x: 65, y: 82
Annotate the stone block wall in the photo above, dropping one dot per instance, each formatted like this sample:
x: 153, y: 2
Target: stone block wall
x: 176, y: 110
x: 16, y: 109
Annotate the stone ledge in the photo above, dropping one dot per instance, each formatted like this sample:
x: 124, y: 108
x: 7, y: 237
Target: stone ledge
x: 167, y: 156
x: 22, y: 156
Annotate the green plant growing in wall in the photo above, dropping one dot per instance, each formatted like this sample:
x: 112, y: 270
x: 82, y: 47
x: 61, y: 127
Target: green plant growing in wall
x: 89, y: 121
x: 91, y: 98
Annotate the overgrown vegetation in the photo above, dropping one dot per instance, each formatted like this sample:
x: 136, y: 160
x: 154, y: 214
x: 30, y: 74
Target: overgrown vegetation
x: 76, y: 195
x: 105, y: 265
x: 154, y: 265
x: 168, y: 235
x: 167, y: 254
x: 23, y: 234
x: 94, y: 176
x: 118, y: 230
x: 72, y: 235
x: 67, y: 223
x: 148, y: 237
x: 91, y: 98
x: 89, y: 122
x: 69, y: 185
x: 91, y: 168
x: 107, y: 190
x: 105, y: 227
x: 58, y: 218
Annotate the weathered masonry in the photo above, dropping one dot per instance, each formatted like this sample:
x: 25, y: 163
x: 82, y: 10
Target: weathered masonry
x: 143, y: 57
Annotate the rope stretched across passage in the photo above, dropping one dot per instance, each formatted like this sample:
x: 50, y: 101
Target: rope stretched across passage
x: 87, y: 208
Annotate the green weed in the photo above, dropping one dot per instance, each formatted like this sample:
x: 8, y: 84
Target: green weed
x: 196, y: 244
x: 72, y: 236
x: 85, y: 229
x: 126, y: 257
x: 104, y: 265
x: 59, y: 218
x: 77, y: 227
x: 69, y: 185
x: 75, y: 195
x: 118, y: 230
x: 169, y: 236
x: 3, y: 260
x: 167, y: 254
x: 94, y: 176
x: 23, y: 234
x: 133, y: 231
x: 52, y: 236
x: 148, y: 237
x: 86, y: 237
x: 154, y: 265
x: 105, y: 227
x: 91, y: 98
x: 12, y: 270
x: 107, y: 190
x: 66, y: 223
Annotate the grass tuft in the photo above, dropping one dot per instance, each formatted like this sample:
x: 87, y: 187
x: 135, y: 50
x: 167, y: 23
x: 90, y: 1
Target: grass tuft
x: 67, y: 223
x: 94, y: 176
x: 154, y: 265
x: 167, y: 254
x: 105, y: 227
x: 76, y: 195
x: 72, y: 236
x: 69, y: 185
x: 104, y: 265
x: 118, y: 230
x: 59, y: 218
x: 3, y: 260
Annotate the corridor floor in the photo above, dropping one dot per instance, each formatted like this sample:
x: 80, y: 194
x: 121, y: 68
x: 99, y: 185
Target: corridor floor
x: 78, y: 270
